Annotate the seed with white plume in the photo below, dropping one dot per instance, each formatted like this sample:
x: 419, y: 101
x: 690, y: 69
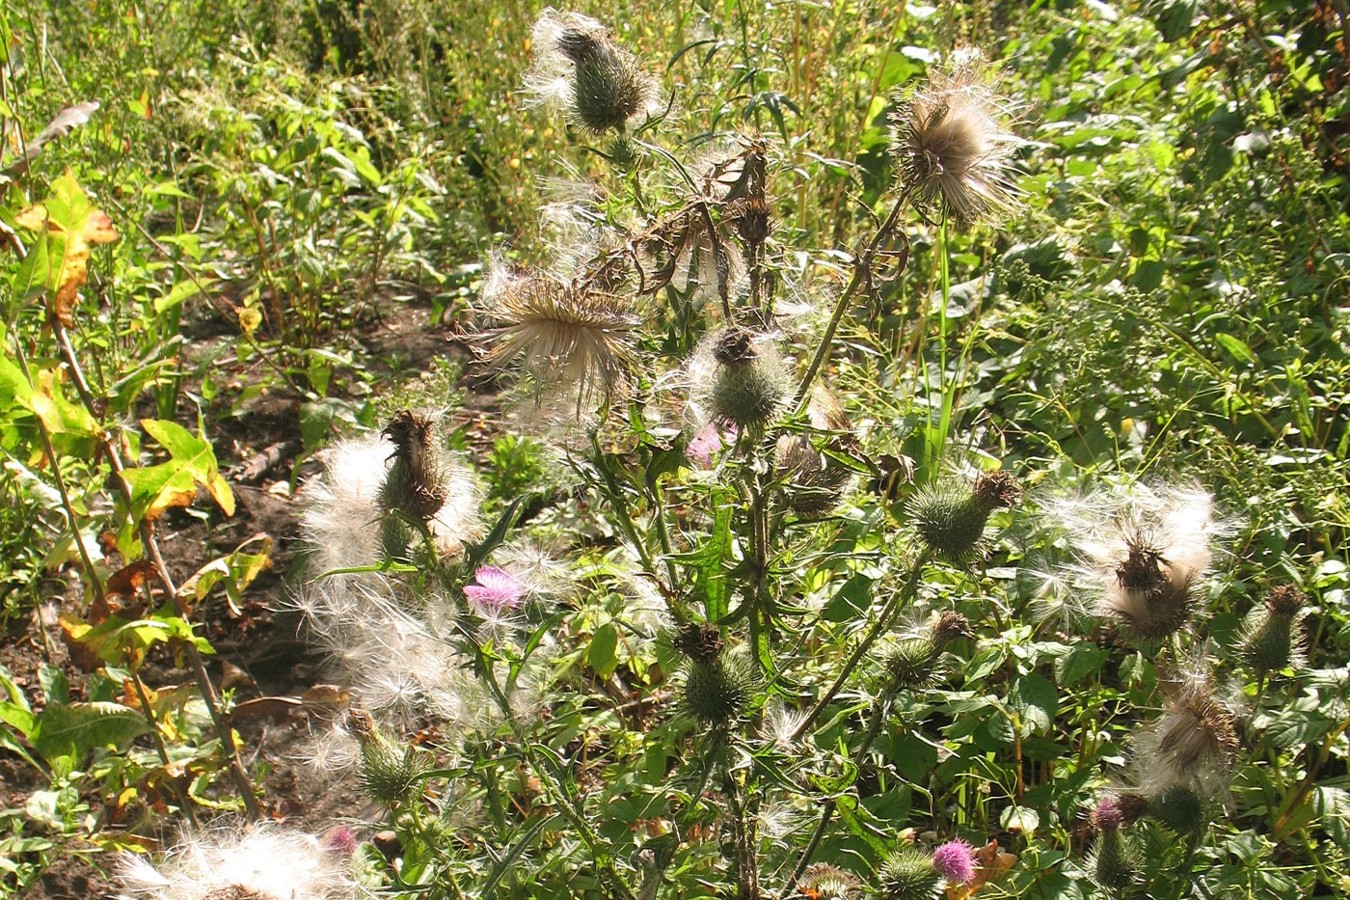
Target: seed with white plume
x: 341, y: 522
x: 266, y: 862
x: 1144, y: 550
x: 953, y: 145
x: 566, y: 337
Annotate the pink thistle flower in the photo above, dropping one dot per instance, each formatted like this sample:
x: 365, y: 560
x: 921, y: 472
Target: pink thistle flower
x: 955, y: 861
x: 494, y: 591
x: 710, y: 439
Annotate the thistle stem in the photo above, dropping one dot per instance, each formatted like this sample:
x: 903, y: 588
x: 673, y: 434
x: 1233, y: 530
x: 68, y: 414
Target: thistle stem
x: 862, y: 273
x: 883, y: 623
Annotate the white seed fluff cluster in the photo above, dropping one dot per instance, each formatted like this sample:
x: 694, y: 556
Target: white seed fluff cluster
x: 266, y: 862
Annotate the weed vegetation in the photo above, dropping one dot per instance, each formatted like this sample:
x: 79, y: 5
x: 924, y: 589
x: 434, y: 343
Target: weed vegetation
x: 701, y: 450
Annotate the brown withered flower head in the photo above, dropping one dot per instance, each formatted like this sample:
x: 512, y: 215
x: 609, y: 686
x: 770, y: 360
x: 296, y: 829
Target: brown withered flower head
x: 567, y: 337
x: 953, y: 146
x: 1194, y: 743
x: 415, y: 484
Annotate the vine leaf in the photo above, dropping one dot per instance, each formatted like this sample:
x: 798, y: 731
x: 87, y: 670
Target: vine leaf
x: 71, y: 225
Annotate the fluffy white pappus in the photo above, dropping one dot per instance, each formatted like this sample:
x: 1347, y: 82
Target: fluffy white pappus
x: 330, y: 754
x: 1138, y: 543
x: 341, y: 522
x: 780, y: 726
x: 265, y: 862
x: 342, y: 514
x: 1194, y: 742
x: 541, y: 568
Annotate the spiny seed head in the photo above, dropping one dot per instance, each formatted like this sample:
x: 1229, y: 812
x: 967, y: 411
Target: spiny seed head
x: 416, y: 484
x: 913, y: 662
x: 822, y: 881
x: 1180, y: 808
x: 1196, y: 731
x: 908, y: 874
x: 577, y: 66
x: 815, y: 482
x: 953, y: 146
x: 700, y: 641
x: 748, y: 379
x: 1267, y: 643
x: 1152, y: 597
x: 1114, y: 862
x: 718, y: 692
x: 390, y: 774
x: 950, y: 521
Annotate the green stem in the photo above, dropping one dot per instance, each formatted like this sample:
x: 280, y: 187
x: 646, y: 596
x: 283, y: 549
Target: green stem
x: 862, y: 273
x: 882, y: 624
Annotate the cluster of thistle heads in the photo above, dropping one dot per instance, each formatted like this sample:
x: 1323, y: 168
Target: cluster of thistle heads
x: 572, y: 334
x: 1143, y: 572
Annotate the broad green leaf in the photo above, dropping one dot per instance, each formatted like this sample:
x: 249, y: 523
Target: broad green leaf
x: 602, y: 656
x: 72, y: 730
x: 174, y: 483
x: 70, y: 225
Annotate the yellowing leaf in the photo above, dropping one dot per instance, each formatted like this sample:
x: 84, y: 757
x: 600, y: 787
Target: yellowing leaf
x: 70, y: 225
x: 174, y: 483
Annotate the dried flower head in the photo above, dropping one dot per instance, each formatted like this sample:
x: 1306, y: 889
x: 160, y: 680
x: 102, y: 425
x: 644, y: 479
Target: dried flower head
x: 567, y: 337
x: 578, y: 67
x: 1145, y: 549
x: 416, y: 483
x: 1194, y: 743
x: 264, y: 862
x: 826, y: 882
x: 953, y: 146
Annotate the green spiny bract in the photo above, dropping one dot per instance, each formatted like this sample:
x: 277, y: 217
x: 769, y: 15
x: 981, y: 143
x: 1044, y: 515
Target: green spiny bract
x: 717, y: 692
x: 749, y: 380
x: 609, y: 88
x: 908, y: 874
x: 1268, y: 641
x: 1180, y: 809
x: 389, y: 774
x: 1114, y: 863
x: 416, y: 484
x: 950, y: 520
x: 915, y: 661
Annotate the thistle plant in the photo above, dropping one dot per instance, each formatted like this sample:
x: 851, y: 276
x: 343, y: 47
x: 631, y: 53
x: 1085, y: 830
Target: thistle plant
x: 729, y: 587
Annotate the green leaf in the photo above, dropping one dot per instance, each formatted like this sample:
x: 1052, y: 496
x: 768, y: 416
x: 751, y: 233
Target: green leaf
x: 174, y: 483
x: 602, y: 655
x: 710, y: 576
x: 1036, y: 699
x: 72, y: 730
x: 1080, y: 661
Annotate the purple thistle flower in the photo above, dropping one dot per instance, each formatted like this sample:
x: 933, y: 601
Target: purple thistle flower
x: 955, y: 861
x: 1108, y: 816
x: 494, y: 591
x: 709, y: 440
x: 340, y: 841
